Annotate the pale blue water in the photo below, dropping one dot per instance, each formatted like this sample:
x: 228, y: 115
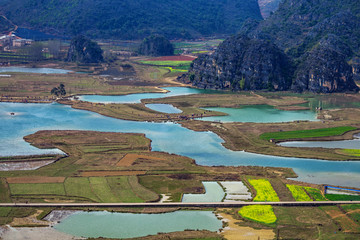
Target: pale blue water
x: 164, y: 108
x: 260, y: 114
x: 34, y: 70
x: 205, y: 147
x: 136, y: 98
x: 129, y: 225
x: 346, y: 144
x: 213, y: 193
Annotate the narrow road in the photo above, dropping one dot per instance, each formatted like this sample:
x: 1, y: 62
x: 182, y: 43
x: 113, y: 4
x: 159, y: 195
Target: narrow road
x: 179, y: 204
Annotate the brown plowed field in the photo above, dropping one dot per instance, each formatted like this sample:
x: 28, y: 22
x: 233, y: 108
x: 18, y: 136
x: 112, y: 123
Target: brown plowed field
x: 173, y: 58
x: 347, y: 224
x: 111, y: 173
x: 130, y: 158
x: 39, y: 179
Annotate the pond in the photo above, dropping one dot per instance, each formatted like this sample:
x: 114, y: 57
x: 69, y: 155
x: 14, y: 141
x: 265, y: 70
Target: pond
x: 260, y: 114
x: 346, y: 144
x: 213, y: 193
x: 205, y: 147
x: 130, y: 225
x: 164, y: 108
x: 136, y: 98
x: 34, y: 70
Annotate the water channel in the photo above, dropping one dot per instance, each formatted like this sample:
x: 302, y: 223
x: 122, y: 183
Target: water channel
x: 205, y: 147
x: 346, y: 144
x: 34, y: 70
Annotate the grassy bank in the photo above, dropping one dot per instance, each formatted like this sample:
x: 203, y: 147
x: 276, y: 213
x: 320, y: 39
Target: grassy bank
x: 301, y: 134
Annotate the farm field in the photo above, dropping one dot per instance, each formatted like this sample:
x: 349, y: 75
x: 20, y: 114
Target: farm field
x: 298, y: 193
x: 264, y: 191
x: 322, y: 132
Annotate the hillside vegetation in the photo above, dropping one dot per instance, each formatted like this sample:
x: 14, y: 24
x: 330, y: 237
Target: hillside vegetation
x: 132, y: 19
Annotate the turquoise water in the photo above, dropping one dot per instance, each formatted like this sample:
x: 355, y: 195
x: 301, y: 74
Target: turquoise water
x: 260, y: 114
x: 213, y: 193
x: 164, y: 108
x: 347, y: 144
x: 129, y: 225
x: 34, y: 70
x: 205, y: 147
x: 136, y: 98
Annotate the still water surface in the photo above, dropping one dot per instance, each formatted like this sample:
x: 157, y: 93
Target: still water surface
x: 346, y: 144
x: 260, y: 114
x: 136, y: 98
x: 129, y: 225
x: 34, y: 70
x: 205, y: 147
x: 164, y: 108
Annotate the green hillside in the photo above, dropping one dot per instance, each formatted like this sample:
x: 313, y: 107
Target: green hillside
x: 132, y: 19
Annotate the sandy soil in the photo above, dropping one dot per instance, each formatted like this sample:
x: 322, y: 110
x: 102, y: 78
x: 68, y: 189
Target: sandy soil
x: 16, y: 166
x: 130, y: 158
x: 236, y: 232
x: 40, y: 233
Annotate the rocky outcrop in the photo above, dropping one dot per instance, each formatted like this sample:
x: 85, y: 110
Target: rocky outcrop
x: 310, y: 42
x: 324, y: 70
x: 241, y: 63
x: 84, y: 50
x: 156, y: 45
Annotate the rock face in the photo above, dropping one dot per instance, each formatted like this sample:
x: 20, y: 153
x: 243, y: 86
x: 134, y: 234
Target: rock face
x: 84, y: 50
x: 241, y: 63
x: 156, y: 45
x: 306, y: 45
x: 324, y: 70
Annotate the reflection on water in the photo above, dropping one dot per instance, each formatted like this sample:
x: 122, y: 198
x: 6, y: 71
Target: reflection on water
x: 34, y: 70
x: 164, y: 108
x: 213, y: 193
x: 205, y: 147
x: 129, y: 225
x: 136, y: 98
x: 346, y: 144
x: 260, y: 114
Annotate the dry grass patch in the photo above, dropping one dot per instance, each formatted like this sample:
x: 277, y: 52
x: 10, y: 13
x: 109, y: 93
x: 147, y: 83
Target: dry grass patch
x: 130, y: 158
x: 347, y: 224
x: 35, y: 179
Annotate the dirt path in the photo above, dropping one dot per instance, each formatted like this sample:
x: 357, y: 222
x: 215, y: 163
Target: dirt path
x: 236, y: 232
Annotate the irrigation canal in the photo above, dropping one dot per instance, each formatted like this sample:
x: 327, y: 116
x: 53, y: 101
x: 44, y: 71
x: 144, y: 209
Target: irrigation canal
x: 178, y: 204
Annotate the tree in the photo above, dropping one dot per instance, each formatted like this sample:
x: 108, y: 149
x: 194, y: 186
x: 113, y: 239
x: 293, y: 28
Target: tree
x: 156, y: 45
x: 84, y: 50
x: 59, y: 91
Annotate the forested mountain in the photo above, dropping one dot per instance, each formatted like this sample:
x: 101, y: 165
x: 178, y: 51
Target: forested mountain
x: 132, y: 19
x: 319, y: 37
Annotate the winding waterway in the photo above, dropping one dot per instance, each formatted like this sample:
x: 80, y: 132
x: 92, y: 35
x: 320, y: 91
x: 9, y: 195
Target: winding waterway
x: 205, y: 147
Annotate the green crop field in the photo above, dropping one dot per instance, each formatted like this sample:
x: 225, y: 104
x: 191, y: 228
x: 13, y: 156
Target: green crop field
x: 298, y: 193
x: 37, y: 189
x: 342, y: 197
x: 264, y: 191
x: 315, y: 194
x: 352, y: 152
x: 262, y: 213
x: 321, y: 132
x: 167, y: 63
x: 80, y: 186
